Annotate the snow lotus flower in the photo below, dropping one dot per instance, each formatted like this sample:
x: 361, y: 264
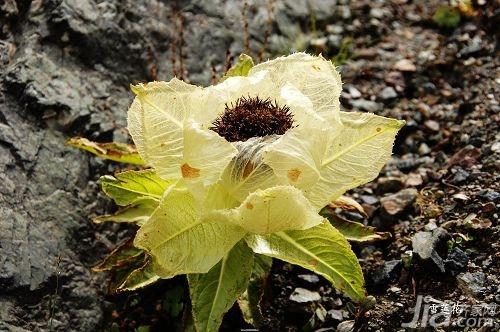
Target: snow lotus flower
x: 253, y: 160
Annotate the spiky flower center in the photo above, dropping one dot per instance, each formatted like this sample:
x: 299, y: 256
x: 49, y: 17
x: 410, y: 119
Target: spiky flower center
x: 252, y: 117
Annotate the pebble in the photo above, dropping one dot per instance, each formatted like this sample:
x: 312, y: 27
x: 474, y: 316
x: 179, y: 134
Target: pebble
x: 427, y: 245
x: 302, y: 295
x: 312, y: 278
x: 456, y: 261
x: 388, y: 93
x: 389, y: 184
x: 495, y: 147
x: 386, y: 273
x: 414, y: 180
x: 431, y: 125
x: 461, y: 197
x: 424, y: 149
x: 460, y: 176
x: 345, y: 326
x: 405, y: 65
x: 336, y: 314
x: 353, y: 92
x: 472, y: 284
x: 366, y: 105
x: 394, y: 205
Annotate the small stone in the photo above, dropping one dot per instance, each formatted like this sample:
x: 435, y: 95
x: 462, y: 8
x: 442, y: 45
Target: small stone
x: 395, y: 290
x: 336, y: 314
x: 345, y: 326
x: 456, y: 261
x: 353, y: 92
x: 389, y: 185
x: 432, y: 125
x: 414, y: 180
x: 489, y: 195
x: 377, y: 13
x: 368, y: 199
x: 386, y: 273
x: 472, y: 284
x: 495, y: 147
x: 388, y: 93
x: 424, y: 149
x: 312, y: 278
x: 302, y: 295
x: 431, y: 225
x: 395, y: 205
x: 428, y: 245
x: 461, y: 197
x: 460, y: 176
x: 405, y: 65
x: 366, y: 105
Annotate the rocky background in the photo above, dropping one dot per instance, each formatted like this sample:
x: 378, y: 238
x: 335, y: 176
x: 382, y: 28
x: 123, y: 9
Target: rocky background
x: 65, y: 68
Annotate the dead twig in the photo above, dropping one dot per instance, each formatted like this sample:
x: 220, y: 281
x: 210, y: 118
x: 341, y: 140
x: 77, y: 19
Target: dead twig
x: 246, y: 37
x: 269, y: 28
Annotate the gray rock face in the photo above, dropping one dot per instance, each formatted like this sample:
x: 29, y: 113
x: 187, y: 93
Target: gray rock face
x: 65, y: 67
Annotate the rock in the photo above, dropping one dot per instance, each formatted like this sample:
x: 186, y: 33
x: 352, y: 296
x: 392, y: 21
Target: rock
x: 389, y: 185
x: 495, y: 147
x: 429, y: 247
x: 424, y: 149
x: 336, y: 314
x: 395, y: 205
x: 432, y: 125
x: 346, y: 326
x: 456, y: 261
x: 387, y: 93
x: 386, y: 273
x: 472, y: 284
x: 302, y: 295
x: 366, y: 105
x: 489, y: 195
x: 414, y: 180
x: 405, y: 65
x: 460, y: 176
x: 353, y: 92
x: 461, y: 197
x: 311, y: 278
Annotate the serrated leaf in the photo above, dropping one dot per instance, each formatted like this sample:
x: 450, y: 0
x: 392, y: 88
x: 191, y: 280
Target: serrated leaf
x: 179, y: 241
x: 130, y: 187
x: 249, y: 301
x: 321, y: 249
x: 240, y: 68
x: 214, y: 293
x: 122, y: 255
x: 353, y: 231
x: 137, y: 213
x: 120, y: 152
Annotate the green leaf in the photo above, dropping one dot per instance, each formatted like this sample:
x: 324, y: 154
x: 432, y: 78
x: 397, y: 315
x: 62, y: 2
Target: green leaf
x: 214, y: 293
x: 447, y: 16
x: 121, y: 152
x: 179, y: 241
x: 321, y: 249
x: 130, y: 187
x: 137, y: 213
x: 241, y: 68
x: 249, y: 301
x: 353, y: 231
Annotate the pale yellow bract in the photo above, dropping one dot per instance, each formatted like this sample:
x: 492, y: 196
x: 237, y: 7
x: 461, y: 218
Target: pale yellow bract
x: 226, y: 191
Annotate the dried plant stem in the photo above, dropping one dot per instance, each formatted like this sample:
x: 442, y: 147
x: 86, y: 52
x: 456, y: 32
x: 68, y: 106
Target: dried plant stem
x: 269, y: 28
x: 246, y: 37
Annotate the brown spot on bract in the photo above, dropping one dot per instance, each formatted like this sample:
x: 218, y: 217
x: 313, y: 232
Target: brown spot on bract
x: 249, y: 167
x: 189, y: 172
x: 378, y: 129
x: 293, y: 174
x: 313, y: 262
x: 249, y: 206
x: 316, y: 67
